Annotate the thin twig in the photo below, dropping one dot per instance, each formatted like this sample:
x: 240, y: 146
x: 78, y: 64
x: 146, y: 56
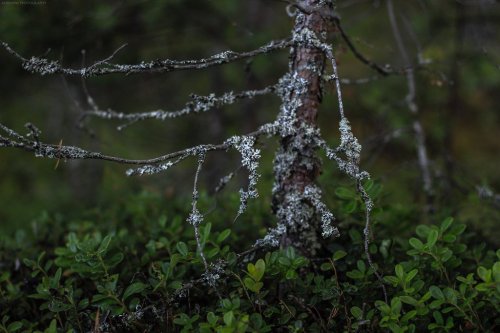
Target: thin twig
x: 379, y: 69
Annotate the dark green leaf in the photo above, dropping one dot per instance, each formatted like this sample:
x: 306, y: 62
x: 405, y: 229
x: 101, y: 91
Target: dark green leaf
x: 182, y: 248
x: 134, y: 288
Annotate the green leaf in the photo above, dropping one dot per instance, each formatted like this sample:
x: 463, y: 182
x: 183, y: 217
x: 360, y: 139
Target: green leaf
x: 290, y: 274
x: 182, y: 320
x: 450, y: 295
x: 416, y: 243
x: 436, y: 304
x: 356, y: 312
x: 223, y: 235
x: 399, y: 271
x: 383, y: 307
x: 174, y: 259
x: 355, y: 274
x: 432, y: 237
x: 361, y: 266
x: 252, y: 285
x: 448, y: 238
x: 256, y: 320
x: 392, y: 280
x: 484, y: 274
x: 103, y: 247
x: 446, y: 224
x: 14, y: 326
x: 284, y: 261
x: 411, y: 275
x: 339, y: 255
x: 205, y: 233
x: 344, y: 193
x: 396, y: 305
x: 368, y: 184
x: 395, y: 328
x: 458, y: 229
x: 409, y: 315
x: 290, y: 252
x: 134, y: 288
x: 350, y: 207
x: 182, y: 248
x: 57, y: 277
x: 438, y: 317
x: 425, y: 297
x: 483, y: 287
x: 422, y: 231
x: 256, y: 271
x: 83, y: 304
x: 449, y: 322
x: 58, y: 306
x: 162, y: 221
x: 229, y: 318
x: 212, y: 253
x: 436, y: 292
x: 496, y: 271
x: 40, y: 257
x: 115, y: 259
x: 212, y: 318
x: 326, y: 266
x: 408, y: 300
x: 52, y: 327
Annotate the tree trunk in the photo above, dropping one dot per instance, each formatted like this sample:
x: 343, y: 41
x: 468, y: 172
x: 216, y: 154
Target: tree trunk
x: 296, y: 166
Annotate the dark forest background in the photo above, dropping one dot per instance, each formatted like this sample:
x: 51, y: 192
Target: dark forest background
x: 457, y: 92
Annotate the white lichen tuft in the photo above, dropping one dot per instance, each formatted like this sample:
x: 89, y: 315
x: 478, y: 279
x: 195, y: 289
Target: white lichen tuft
x: 273, y: 236
x: 350, y: 147
x: 195, y: 218
x: 313, y: 194
x: 213, y: 274
x: 250, y: 160
x: 41, y: 66
x: 149, y: 169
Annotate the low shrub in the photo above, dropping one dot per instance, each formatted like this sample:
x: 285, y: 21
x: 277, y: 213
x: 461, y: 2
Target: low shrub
x: 136, y: 267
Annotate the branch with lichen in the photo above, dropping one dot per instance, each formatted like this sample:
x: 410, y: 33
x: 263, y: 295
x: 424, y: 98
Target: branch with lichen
x: 197, y: 105
x: 45, y: 66
x: 31, y: 143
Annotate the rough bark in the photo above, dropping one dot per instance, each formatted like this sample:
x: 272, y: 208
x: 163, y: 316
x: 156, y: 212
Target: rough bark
x: 296, y: 165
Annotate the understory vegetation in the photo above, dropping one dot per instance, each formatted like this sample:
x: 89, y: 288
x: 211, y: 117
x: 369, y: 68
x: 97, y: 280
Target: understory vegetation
x: 134, y: 267
x: 332, y: 166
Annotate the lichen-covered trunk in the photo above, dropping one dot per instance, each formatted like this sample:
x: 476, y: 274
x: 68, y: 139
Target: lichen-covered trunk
x: 296, y: 166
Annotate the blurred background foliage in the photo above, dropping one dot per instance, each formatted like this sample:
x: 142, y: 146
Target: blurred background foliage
x: 457, y: 92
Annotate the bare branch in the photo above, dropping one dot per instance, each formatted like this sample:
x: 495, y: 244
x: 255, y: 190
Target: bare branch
x: 381, y: 70
x: 363, y: 80
x: 423, y: 159
x: 45, y: 66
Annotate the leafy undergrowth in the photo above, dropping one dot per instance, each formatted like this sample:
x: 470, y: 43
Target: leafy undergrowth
x: 135, y: 268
